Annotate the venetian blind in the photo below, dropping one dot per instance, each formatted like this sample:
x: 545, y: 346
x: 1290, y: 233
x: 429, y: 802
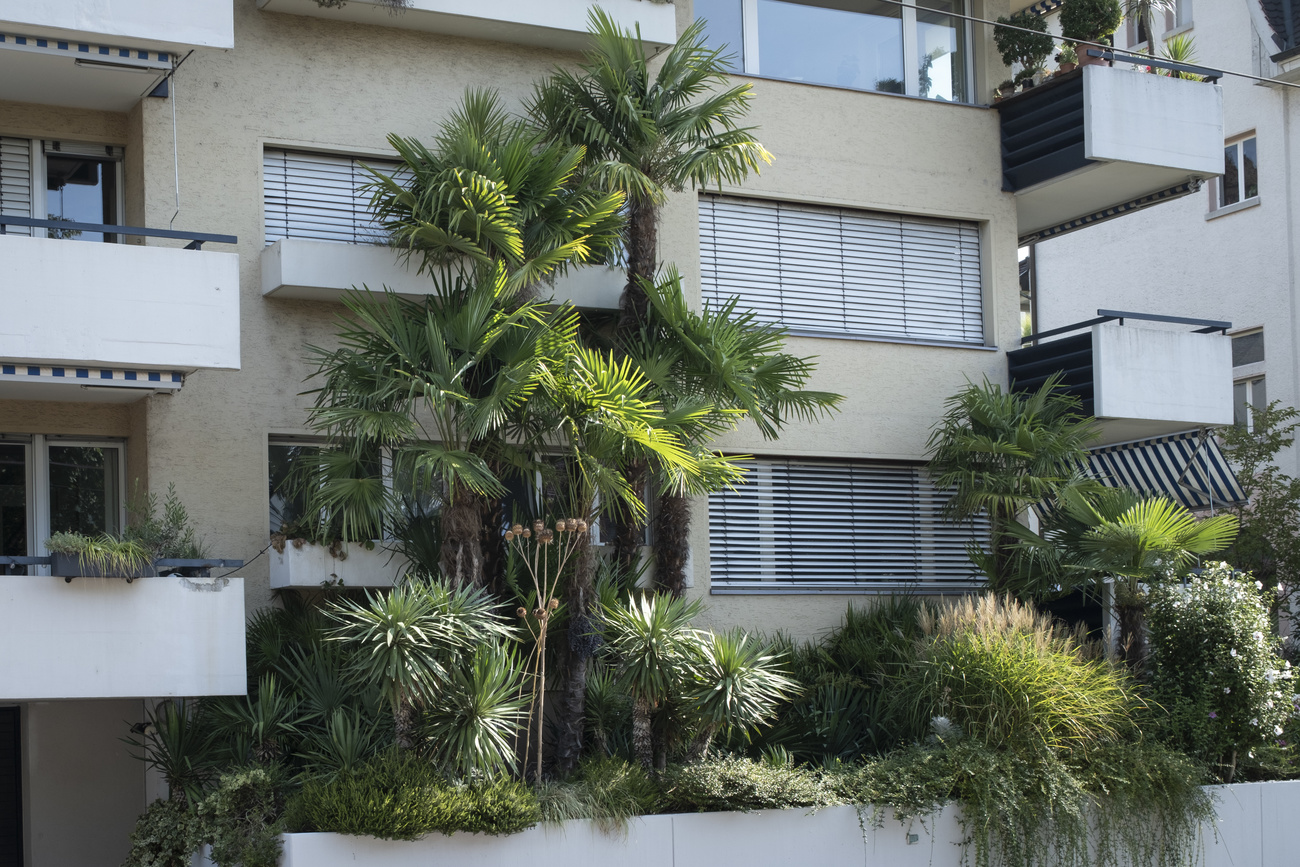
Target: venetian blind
x: 841, y: 271
x: 319, y: 196
x: 16, y: 181
x: 808, y: 525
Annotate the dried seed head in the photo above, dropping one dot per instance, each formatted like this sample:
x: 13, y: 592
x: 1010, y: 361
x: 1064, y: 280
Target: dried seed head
x: 510, y: 536
x: 561, y: 525
x: 517, y: 529
x: 528, y: 534
x: 553, y: 604
x: 538, y: 526
x: 582, y: 526
x: 539, y: 612
x: 522, y: 612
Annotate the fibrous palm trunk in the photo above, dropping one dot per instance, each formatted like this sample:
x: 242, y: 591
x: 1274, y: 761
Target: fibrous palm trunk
x: 643, y: 744
x: 462, y: 539
x: 404, y: 725
x: 672, y: 543
x: 642, y: 241
x: 1131, y: 640
x: 571, y: 709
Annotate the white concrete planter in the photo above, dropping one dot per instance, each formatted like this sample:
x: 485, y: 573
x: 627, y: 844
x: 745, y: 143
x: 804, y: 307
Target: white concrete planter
x: 1256, y: 828
x: 314, y: 565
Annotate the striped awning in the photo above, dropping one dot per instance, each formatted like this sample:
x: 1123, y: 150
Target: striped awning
x: 1189, y: 468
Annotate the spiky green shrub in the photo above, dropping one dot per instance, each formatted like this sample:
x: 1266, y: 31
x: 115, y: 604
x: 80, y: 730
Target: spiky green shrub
x: 1005, y: 674
x: 607, y: 791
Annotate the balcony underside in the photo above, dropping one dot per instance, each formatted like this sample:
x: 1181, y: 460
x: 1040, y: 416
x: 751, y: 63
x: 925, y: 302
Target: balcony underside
x: 324, y: 270
x: 560, y: 25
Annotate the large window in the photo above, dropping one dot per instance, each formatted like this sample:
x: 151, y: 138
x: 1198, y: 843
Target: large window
x: 56, y: 180
x: 319, y: 196
x: 841, y: 272
x: 53, y: 485
x: 916, y: 49
x: 804, y: 525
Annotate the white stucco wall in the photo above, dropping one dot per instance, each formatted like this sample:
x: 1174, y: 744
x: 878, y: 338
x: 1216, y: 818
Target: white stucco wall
x: 163, y: 23
x: 1162, y: 375
x: 1179, y: 258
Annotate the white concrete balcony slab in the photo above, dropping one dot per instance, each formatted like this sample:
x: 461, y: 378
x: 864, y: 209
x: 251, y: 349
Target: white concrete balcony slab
x: 560, y: 24
x: 1139, y: 381
x: 309, y: 565
x: 111, y: 314
x: 324, y: 270
x: 103, y: 54
x: 105, y: 638
x: 1104, y: 141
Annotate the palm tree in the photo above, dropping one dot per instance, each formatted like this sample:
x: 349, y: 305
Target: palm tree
x: 1001, y: 452
x: 718, y: 358
x: 648, y: 135
x: 1144, y: 13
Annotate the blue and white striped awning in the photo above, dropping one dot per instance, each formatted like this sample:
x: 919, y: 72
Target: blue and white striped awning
x: 144, y: 58
x: 100, y: 377
x: 1189, y: 468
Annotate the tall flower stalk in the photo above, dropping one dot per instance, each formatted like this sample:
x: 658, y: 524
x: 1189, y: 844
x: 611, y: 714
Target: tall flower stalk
x: 533, y: 546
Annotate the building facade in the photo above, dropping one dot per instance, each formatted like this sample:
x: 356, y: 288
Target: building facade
x: 229, y: 136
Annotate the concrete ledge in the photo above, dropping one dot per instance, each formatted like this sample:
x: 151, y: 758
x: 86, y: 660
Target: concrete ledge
x: 311, y: 565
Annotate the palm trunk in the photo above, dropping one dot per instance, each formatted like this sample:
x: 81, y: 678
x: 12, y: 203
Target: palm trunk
x: 1132, y: 643
x: 702, y: 742
x: 643, y: 744
x: 630, y: 529
x: 571, y: 710
x: 642, y: 244
x: 462, y: 539
x: 672, y: 543
x: 404, y: 725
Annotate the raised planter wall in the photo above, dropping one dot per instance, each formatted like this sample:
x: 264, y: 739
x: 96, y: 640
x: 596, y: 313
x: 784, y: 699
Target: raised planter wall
x: 311, y: 565
x: 1257, y: 827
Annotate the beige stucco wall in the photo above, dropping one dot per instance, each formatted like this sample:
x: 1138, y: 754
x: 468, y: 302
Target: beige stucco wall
x: 316, y: 84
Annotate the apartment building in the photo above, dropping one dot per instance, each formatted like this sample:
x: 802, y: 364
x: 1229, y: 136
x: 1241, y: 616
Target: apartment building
x: 208, y: 154
x: 1226, y: 252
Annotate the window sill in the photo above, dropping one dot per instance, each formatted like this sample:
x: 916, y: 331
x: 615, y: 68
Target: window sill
x: 873, y: 338
x: 929, y: 99
x: 1178, y: 31
x: 1233, y: 208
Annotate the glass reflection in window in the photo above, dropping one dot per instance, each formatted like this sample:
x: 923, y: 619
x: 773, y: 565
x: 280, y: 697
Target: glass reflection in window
x: 825, y: 44
x: 85, y: 489
x: 81, y: 188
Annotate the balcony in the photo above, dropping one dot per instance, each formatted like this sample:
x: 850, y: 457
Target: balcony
x: 309, y: 565
x: 119, y: 321
x: 1102, y: 141
x: 560, y: 25
x: 323, y: 270
x: 105, y: 638
x: 1139, y: 382
x: 97, y: 54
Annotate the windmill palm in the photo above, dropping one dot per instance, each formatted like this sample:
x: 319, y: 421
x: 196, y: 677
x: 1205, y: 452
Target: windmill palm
x: 1000, y: 452
x: 1144, y: 13
x: 718, y: 358
x: 647, y: 135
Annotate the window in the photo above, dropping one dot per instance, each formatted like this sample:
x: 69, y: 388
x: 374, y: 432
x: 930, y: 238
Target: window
x: 52, y: 485
x: 319, y: 196
x: 1248, y: 389
x: 1181, y: 15
x: 917, y: 49
x: 797, y: 525
x: 1240, y: 181
x: 81, y: 183
x: 841, y: 272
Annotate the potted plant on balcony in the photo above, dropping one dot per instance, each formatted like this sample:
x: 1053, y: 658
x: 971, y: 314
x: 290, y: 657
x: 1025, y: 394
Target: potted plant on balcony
x: 1028, y: 49
x: 74, y: 555
x: 1089, y: 21
x: 1067, y: 60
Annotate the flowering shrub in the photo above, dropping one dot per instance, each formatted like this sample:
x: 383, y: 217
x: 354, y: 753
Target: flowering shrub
x: 1215, y: 667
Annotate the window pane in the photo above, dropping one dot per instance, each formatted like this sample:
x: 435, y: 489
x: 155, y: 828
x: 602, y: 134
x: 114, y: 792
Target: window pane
x: 1228, y: 191
x: 1249, y: 172
x: 724, y: 29
x: 1240, y: 415
x: 1183, y: 12
x: 832, y: 46
x: 1258, y: 395
x: 13, y: 500
x: 286, y: 507
x: 82, y: 190
x: 84, y: 494
x: 941, y: 51
x: 1248, y: 349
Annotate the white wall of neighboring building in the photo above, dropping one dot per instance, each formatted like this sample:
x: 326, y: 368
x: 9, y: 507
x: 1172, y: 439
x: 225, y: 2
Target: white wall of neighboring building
x: 1181, y: 258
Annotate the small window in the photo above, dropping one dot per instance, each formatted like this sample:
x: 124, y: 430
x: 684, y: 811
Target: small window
x: 320, y: 196
x: 57, y: 180
x: 1247, y: 348
x: 1247, y: 395
x: 1182, y: 14
x: 1240, y: 181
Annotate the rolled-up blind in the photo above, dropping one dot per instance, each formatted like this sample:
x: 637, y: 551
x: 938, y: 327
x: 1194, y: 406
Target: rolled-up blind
x: 840, y: 271
x: 16, y: 181
x: 810, y: 525
x: 319, y: 196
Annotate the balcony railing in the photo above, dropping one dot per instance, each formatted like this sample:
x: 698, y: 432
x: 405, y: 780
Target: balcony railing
x: 196, y: 239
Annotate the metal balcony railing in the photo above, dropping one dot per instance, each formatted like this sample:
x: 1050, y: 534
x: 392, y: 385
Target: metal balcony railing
x: 196, y: 239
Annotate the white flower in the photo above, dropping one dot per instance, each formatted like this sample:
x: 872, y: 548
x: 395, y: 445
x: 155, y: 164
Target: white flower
x: 1271, y: 675
x: 1227, y: 689
x: 1254, y: 721
x: 1259, y: 585
x: 1233, y: 653
x: 1258, y: 636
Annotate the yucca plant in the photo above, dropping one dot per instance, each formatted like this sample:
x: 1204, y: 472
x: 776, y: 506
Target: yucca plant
x: 261, y: 726
x: 409, y: 640
x: 736, y: 684
x: 178, y: 743
x: 345, y: 741
x: 472, y: 727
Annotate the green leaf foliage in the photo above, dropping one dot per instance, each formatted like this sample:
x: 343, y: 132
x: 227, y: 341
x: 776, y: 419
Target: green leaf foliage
x: 725, y: 783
